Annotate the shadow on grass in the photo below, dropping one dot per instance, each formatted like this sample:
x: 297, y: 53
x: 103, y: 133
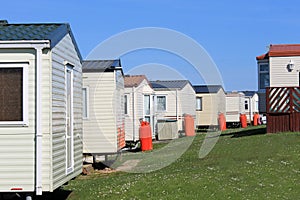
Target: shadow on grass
x: 58, y: 194
x: 103, y: 164
x: 246, y: 132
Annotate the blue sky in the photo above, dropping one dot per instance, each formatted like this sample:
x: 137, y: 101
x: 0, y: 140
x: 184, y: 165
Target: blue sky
x: 233, y: 32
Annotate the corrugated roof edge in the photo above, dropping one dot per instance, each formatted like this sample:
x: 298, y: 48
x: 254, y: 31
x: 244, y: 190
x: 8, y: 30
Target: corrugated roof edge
x: 249, y: 92
x: 280, y: 50
x: 68, y: 29
x: 163, y: 87
x: 57, y: 35
x: 263, y: 56
x: 116, y: 65
x: 208, y: 88
x: 140, y: 75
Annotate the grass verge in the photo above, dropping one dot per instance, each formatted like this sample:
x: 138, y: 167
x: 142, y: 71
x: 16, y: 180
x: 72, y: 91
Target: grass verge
x: 244, y: 164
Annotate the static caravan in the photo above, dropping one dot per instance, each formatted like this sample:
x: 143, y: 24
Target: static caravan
x: 279, y: 78
x: 40, y: 107
x: 251, y: 105
x: 279, y: 67
x: 103, y: 110
x: 235, y: 105
x: 138, y: 103
x: 173, y: 99
x: 210, y: 102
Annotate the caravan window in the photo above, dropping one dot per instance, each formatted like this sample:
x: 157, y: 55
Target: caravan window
x: 264, y: 77
x: 13, y: 94
x: 199, y: 103
x: 85, y: 103
x: 125, y: 104
x: 161, y: 103
x: 147, y: 104
x: 246, y: 105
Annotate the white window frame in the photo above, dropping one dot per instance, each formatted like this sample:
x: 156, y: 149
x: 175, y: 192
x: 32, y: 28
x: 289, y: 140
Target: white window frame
x: 247, y: 102
x: 24, y: 122
x: 126, y: 107
x: 87, y: 105
x: 144, y: 111
x: 161, y: 95
x: 263, y: 72
x: 70, y: 169
x: 201, y: 104
x: 145, y: 115
x: 256, y: 105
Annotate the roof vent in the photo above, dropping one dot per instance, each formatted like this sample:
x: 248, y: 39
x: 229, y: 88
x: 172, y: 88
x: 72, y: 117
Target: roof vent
x: 3, y: 22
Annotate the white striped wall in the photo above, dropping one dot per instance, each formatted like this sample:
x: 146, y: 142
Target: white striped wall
x: 17, y: 147
x: 212, y: 105
x: 62, y: 52
x: 106, y: 112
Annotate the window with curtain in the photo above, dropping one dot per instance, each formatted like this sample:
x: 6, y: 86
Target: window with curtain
x: 161, y: 103
x: 85, y: 103
x: 246, y: 105
x: 264, y: 77
x: 147, y: 104
x: 11, y: 94
x: 199, y: 103
x: 125, y: 104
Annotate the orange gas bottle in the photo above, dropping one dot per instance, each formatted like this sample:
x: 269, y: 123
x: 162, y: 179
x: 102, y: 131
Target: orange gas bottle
x: 222, y: 122
x: 243, y: 120
x: 145, y: 136
x: 255, y: 119
x: 189, y: 127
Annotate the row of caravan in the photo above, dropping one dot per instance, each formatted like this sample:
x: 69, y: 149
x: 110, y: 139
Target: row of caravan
x: 115, y: 103
x: 54, y: 107
x: 212, y: 101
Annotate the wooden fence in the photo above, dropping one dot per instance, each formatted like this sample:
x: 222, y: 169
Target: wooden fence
x: 283, y: 109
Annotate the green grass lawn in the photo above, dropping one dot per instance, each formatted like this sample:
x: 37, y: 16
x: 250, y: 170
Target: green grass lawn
x: 244, y: 164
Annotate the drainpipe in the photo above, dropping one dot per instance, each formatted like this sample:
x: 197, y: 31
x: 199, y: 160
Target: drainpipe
x: 179, y: 125
x: 38, y: 45
x: 133, y: 113
x: 177, y: 105
x: 39, y: 133
x: 154, y: 114
x: 250, y: 110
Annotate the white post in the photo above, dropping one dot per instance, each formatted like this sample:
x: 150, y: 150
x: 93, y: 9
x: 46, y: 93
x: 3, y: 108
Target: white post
x: 39, y: 133
x: 133, y: 114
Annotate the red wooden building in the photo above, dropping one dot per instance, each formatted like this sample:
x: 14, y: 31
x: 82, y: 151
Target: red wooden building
x: 283, y: 109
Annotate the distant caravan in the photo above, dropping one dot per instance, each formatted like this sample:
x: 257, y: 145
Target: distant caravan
x: 235, y: 106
